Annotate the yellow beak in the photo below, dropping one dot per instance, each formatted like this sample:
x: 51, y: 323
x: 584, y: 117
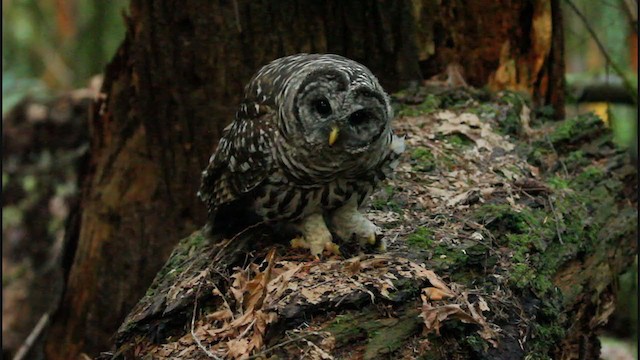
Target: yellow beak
x: 333, y: 136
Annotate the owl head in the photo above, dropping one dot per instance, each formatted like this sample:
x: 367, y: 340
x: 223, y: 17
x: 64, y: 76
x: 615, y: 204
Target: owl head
x: 331, y: 103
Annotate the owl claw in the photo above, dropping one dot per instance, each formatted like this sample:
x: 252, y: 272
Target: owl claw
x: 315, y: 237
x: 333, y: 248
x: 299, y: 242
x: 371, y: 239
x: 382, y: 246
x: 347, y: 221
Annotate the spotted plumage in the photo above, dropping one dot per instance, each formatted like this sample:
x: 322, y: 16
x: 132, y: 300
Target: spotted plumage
x: 310, y: 141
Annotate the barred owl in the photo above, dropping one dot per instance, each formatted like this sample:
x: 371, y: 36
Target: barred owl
x: 309, y: 143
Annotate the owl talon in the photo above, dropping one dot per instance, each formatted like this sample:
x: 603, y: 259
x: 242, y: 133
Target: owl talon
x: 347, y: 221
x: 382, y: 245
x: 372, y: 239
x: 333, y: 248
x: 315, y: 236
x: 299, y: 242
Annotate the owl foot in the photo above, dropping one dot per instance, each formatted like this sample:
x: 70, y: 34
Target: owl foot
x: 347, y: 221
x: 315, y: 236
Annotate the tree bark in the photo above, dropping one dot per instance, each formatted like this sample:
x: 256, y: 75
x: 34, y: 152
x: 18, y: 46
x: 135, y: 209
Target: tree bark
x: 175, y: 82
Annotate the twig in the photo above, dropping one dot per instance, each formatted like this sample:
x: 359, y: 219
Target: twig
x: 553, y: 148
x: 614, y: 66
x: 224, y: 300
x: 193, y: 333
x: 236, y: 13
x: 287, y: 342
x: 236, y: 236
x: 31, y: 339
x: 555, y: 215
x: 324, y: 354
x: 246, y: 330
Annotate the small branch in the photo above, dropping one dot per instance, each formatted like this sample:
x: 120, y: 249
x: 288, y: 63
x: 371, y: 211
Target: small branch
x: 293, y: 339
x: 33, y: 336
x: 627, y: 84
x: 193, y: 333
x: 553, y: 148
x: 555, y: 215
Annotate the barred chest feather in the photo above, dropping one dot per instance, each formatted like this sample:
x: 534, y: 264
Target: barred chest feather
x: 281, y: 199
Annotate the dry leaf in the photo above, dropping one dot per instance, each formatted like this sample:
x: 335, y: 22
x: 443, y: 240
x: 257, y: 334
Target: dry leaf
x: 433, y: 293
x: 238, y: 348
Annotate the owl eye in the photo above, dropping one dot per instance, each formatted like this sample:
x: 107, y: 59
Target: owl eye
x: 359, y: 117
x: 322, y: 107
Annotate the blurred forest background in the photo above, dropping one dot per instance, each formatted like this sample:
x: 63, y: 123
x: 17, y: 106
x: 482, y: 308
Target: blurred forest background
x: 52, y: 48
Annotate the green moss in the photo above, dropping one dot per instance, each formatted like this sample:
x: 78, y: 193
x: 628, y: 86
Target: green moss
x: 180, y: 257
x: 543, y: 338
x: 476, y: 343
x: 390, y: 336
x: 575, y: 160
x: 558, y: 183
x: 386, y: 201
x: 591, y: 175
x: 459, y: 98
x: 380, y: 335
x: 345, y: 329
x: 451, y: 257
x: 430, y: 104
x: 537, y: 153
x: 575, y: 129
x: 509, y: 122
x: 576, y: 218
x: 503, y: 219
x: 458, y: 140
x: 423, y: 159
x: 421, y: 238
x: 485, y: 110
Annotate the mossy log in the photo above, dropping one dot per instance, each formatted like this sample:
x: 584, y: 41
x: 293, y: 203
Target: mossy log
x: 505, y: 235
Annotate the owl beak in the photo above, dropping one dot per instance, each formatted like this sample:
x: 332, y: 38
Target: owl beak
x: 333, y: 135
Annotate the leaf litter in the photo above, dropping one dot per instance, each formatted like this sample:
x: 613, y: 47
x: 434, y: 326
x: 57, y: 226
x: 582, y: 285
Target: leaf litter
x: 262, y: 295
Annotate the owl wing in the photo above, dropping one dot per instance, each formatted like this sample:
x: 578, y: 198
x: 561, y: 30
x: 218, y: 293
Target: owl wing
x: 243, y: 158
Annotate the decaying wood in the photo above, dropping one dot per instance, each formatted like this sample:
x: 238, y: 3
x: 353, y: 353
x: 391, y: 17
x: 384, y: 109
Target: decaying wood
x: 505, y: 234
x: 177, y: 80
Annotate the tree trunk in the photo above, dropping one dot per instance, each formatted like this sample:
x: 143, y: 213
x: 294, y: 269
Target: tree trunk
x: 176, y: 80
x: 500, y: 247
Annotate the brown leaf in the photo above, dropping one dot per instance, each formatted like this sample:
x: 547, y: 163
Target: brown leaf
x: 353, y: 266
x: 238, y: 348
x: 434, y: 316
x: 220, y: 315
x: 433, y: 293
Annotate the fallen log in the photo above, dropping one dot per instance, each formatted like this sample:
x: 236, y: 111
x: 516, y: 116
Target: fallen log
x: 505, y: 234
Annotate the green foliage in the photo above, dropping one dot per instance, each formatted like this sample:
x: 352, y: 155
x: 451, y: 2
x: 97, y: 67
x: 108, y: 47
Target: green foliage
x: 50, y: 46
